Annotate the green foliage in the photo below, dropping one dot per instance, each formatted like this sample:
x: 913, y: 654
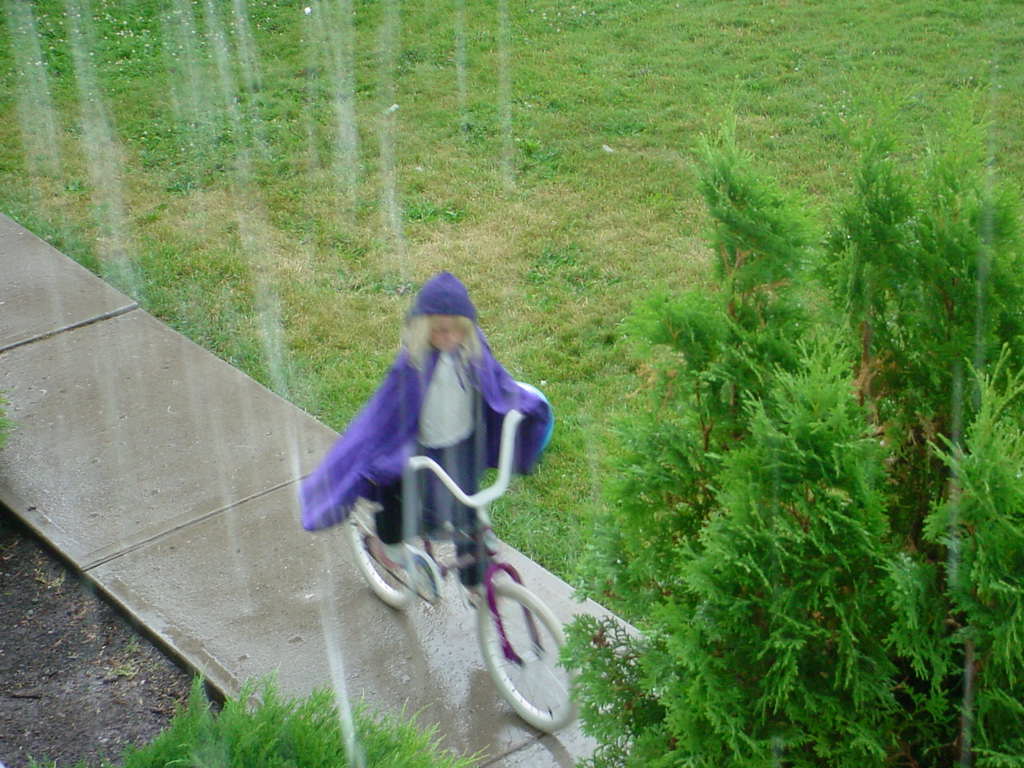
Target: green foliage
x: 981, y: 526
x: 927, y: 269
x: 5, y: 425
x: 817, y: 522
x: 760, y: 234
x: 787, y: 578
x: 261, y: 729
x: 633, y: 733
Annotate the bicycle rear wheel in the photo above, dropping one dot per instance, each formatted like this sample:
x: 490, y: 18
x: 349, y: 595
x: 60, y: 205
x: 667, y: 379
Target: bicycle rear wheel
x: 526, y: 672
x: 362, y: 536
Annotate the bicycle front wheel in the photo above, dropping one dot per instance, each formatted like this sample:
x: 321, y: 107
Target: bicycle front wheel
x: 362, y: 536
x: 522, y: 656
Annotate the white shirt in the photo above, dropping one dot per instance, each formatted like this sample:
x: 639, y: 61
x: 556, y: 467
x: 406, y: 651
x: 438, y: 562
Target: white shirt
x: 447, y: 414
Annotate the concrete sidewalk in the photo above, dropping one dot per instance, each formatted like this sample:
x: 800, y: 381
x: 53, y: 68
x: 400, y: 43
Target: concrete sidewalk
x: 169, y: 479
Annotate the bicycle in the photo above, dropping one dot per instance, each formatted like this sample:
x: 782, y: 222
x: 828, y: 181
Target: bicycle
x: 519, y: 636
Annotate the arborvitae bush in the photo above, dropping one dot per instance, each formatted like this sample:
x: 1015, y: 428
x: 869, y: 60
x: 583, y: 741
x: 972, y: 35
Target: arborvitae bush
x: 717, y: 346
x: 980, y: 523
x: 817, y: 522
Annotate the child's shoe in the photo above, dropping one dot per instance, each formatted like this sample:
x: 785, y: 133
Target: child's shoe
x: 394, y: 556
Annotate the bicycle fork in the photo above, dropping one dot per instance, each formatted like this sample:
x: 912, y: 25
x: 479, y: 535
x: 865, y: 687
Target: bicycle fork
x: 492, y: 604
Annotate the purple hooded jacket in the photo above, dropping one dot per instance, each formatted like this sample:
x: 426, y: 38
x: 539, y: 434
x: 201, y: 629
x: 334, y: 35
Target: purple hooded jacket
x: 374, y: 448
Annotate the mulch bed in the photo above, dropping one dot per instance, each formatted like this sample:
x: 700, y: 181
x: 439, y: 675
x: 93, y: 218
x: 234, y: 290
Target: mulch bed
x: 78, y: 683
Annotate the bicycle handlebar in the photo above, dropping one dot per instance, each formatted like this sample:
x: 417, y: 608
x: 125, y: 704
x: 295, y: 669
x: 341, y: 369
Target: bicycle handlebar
x: 481, y: 498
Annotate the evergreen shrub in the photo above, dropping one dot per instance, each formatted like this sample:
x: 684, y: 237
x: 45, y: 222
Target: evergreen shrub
x: 817, y: 522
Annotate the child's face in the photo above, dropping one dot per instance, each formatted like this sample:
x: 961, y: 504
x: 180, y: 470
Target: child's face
x: 446, y: 332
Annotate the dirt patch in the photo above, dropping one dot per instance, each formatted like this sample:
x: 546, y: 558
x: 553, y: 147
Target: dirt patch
x: 77, y: 681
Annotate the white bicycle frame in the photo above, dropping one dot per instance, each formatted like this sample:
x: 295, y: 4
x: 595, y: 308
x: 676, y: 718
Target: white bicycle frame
x: 479, y: 500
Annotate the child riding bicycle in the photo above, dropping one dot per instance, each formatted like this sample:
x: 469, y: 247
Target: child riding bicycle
x: 445, y: 397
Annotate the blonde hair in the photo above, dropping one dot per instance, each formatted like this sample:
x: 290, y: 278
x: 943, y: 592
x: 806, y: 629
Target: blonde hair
x: 416, y: 339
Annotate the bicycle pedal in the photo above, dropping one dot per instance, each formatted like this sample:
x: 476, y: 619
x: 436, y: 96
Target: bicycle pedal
x: 424, y: 577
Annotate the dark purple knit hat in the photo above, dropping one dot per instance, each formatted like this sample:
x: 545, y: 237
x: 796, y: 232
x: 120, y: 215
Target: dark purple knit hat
x: 444, y: 294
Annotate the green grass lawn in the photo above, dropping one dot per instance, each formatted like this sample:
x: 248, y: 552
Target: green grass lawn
x: 246, y: 177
